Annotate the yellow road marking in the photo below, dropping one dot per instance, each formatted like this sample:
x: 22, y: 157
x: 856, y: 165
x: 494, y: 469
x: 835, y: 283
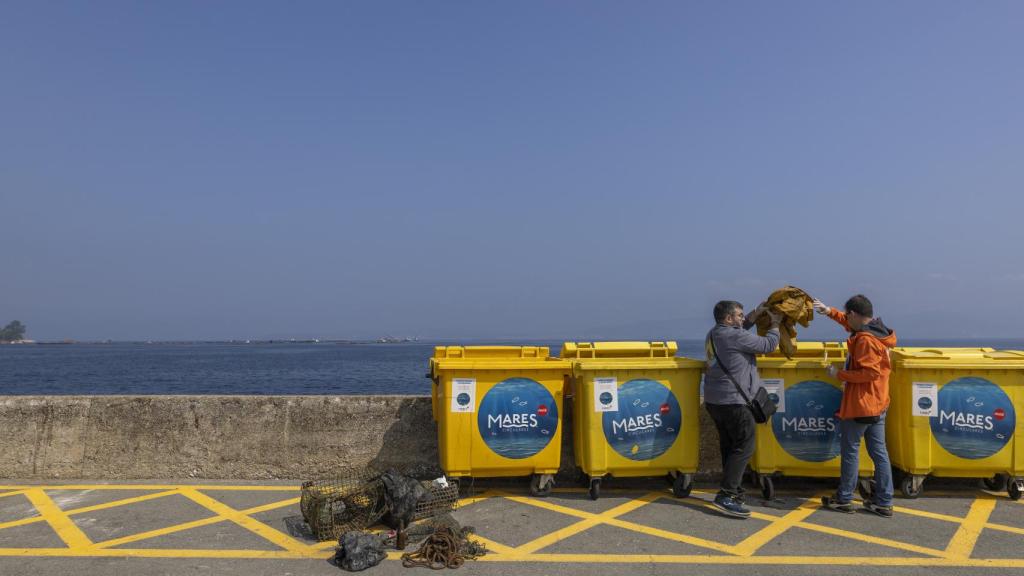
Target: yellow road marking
x: 755, y: 560
x: 22, y: 522
x: 493, y: 546
x: 575, y: 490
x: 486, y: 495
x: 593, y: 520
x: 205, y: 487
x: 270, y: 506
x: 123, y: 502
x: 631, y: 525
x: 924, y: 514
x: 685, y: 539
x: 558, y: 558
x: 57, y: 519
x: 159, y: 532
x: 161, y: 553
x: 275, y: 536
x: 190, y: 525
x: 870, y: 539
x: 702, y: 503
x: 966, y: 536
x: 755, y: 541
x: 1004, y: 528
x: 93, y: 508
x: 957, y: 553
x: 549, y: 506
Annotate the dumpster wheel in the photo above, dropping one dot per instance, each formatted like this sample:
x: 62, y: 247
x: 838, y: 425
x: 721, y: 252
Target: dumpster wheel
x: 997, y: 483
x: 767, y: 486
x: 682, y: 484
x: 595, y: 488
x: 541, y: 484
x: 866, y: 488
x: 912, y: 486
x: 1015, y: 488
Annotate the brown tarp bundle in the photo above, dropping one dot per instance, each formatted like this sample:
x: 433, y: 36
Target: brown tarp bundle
x: 796, y: 306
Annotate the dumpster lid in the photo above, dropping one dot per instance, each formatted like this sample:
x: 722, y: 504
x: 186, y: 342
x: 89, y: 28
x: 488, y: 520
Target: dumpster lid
x: 955, y: 357
x: 590, y: 365
x: 812, y: 350
x: 476, y: 352
x: 494, y: 358
x: 582, y: 350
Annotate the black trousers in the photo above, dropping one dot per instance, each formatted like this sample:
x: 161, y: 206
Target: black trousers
x: 736, y: 437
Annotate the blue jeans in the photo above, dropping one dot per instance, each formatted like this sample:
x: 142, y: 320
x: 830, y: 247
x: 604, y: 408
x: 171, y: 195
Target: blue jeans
x: 850, y: 432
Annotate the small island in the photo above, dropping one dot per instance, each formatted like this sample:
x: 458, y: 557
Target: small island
x: 14, y: 333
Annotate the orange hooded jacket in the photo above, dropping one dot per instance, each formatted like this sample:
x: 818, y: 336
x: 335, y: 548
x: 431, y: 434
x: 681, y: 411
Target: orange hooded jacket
x: 867, y: 368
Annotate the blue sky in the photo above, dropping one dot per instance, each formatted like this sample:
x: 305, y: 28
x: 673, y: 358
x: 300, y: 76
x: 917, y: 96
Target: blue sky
x: 486, y: 170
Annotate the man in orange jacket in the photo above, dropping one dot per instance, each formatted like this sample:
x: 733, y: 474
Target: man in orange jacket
x: 865, y: 401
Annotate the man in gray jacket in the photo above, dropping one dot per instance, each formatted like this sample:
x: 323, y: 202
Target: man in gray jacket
x: 736, y: 347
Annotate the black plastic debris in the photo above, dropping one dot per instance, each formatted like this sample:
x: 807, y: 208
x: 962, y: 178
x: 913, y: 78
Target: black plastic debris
x: 359, y: 551
x: 401, y: 494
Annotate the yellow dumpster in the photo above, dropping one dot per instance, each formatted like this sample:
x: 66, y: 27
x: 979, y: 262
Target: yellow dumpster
x: 802, y: 438
x: 954, y: 413
x: 634, y: 411
x: 498, y: 412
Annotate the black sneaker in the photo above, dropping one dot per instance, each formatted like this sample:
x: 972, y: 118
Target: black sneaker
x: 833, y: 504
x: 731, y: 506
x: 883, y: 511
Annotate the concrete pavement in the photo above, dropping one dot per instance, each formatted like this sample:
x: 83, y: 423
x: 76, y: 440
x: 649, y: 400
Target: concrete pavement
x: 255, y: 529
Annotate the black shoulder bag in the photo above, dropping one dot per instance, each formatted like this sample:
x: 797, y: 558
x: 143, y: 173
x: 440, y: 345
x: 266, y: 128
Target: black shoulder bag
x: 760, y: 405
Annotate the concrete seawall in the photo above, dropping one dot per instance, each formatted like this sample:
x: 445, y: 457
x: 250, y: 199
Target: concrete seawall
x: 231, y: 437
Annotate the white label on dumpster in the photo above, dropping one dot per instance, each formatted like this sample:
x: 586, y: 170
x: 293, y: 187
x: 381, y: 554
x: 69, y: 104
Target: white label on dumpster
x: 926, y: 399
x: 606, y: 395
x: 463, y: 394
x: 776, y: 389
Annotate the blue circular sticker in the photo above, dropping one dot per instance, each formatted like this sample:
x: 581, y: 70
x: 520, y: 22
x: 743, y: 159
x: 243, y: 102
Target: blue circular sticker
x: 647, y: 422
x: 517, y: 418
x: 975, y: 419
x: 808, y: 430
x: 462, y: 399
x: 605, y: 398
x: 924, y: 403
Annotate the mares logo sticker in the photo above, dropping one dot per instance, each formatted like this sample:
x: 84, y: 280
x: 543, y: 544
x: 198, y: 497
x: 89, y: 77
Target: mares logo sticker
x: 647, y: 422
x: 808, y: 430
x: 975, y: 418
x: 518, y: 417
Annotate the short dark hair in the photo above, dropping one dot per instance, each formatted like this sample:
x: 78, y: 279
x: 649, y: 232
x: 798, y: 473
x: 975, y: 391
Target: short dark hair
x: 725, y: 308
x: 861, y: 305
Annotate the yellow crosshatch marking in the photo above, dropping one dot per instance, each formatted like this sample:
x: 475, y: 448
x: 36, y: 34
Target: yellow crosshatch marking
x: 959, y: 551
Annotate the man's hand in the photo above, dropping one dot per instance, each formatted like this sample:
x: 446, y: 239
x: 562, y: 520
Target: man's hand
x: 832, y: 370
x: 820, y: 307
x: 761, y: 309
x: 776, y: 318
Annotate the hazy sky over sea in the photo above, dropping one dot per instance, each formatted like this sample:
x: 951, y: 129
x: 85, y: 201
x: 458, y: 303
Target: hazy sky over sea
x: 184, y: 170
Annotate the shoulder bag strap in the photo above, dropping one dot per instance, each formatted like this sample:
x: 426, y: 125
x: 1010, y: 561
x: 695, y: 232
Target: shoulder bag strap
x: 739, y: 389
